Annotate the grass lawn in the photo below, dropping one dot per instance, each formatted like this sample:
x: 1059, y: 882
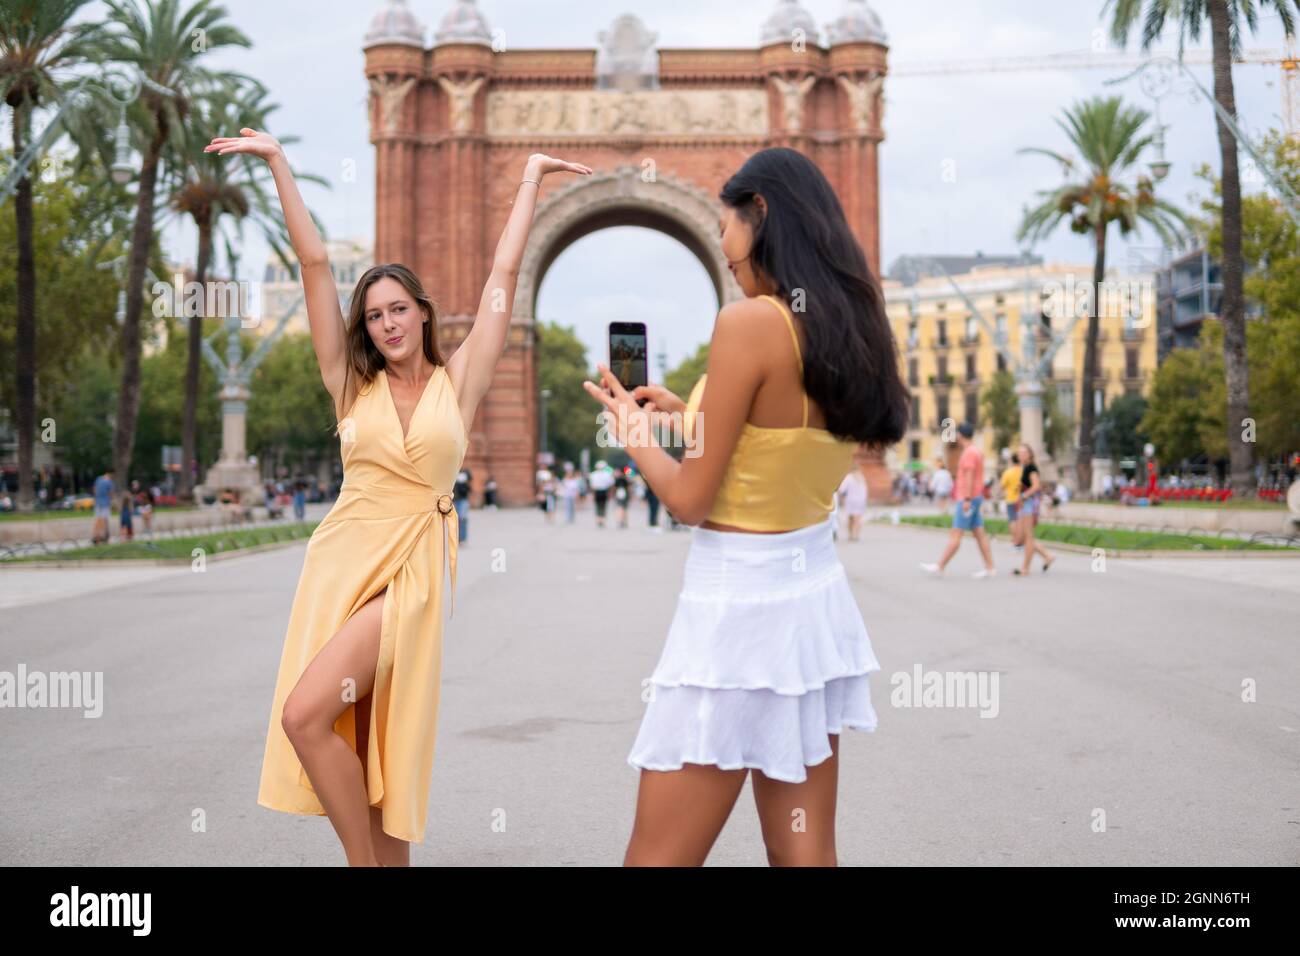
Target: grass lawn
x: 1233, y: 504
x: 212, y: 542
x: 83, y: 513
x: 1135, y: 540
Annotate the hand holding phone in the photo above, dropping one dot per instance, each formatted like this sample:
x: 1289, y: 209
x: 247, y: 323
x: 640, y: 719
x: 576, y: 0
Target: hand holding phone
x: 628, y: 358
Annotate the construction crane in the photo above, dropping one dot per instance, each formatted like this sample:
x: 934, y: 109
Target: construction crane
x: 1289, y: 69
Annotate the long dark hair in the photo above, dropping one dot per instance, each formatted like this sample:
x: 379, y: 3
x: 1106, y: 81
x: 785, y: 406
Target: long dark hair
x: 362, y: 356
x: 850, y: 358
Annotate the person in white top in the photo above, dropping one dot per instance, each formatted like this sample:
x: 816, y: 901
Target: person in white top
x: 602, y: 479
x: 852, y: 497
x: 570, y: 488
x: 941, y: 485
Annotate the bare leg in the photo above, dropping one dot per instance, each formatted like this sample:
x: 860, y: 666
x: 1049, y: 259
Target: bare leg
x: 1030, y: 545
x: 389, y: 850
x: 344, y: 668
x: 799, y: 818
x: 679, y: 814
x: 983, y: 541
x: 954, y: 542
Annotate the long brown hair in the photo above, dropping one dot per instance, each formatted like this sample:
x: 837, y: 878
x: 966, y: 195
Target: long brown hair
x: 362, y: 356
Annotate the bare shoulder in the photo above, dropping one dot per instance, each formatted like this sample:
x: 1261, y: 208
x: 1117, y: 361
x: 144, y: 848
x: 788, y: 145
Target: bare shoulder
x: 749, y: 318
x: 749, y: 326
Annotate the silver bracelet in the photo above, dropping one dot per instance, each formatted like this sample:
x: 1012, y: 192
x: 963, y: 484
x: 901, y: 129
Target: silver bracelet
x: 533, y: 181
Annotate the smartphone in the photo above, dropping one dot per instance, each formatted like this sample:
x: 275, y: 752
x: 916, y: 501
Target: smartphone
x: 628, y: 354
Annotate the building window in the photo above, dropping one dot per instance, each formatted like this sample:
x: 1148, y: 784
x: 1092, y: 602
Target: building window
x: 914, y: 450
x: 942, y: 404
x: 970, y: 368
x: 942, y: 326
x: 916, y: 411
x: 1000, y: 323
x: 941, y: 377
x: 1002, y: 362
x: 972, y: 329
x: 913, y: 377
x: 1131, y: 363
x: 913, y: 336
x: 972, y: 407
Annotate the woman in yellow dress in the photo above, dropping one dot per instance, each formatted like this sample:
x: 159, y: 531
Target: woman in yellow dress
x: 354, y: 715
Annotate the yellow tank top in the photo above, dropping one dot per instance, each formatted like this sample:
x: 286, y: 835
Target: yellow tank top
x: 778, y: 479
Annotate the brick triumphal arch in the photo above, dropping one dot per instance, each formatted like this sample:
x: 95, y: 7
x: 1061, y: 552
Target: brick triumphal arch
x: 453, y: 122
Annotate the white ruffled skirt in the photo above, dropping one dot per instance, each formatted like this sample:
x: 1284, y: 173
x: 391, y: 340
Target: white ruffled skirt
x: 767, y: 655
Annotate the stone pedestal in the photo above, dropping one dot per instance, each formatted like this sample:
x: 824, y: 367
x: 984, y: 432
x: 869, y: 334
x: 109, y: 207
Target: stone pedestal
x: 237, y: 476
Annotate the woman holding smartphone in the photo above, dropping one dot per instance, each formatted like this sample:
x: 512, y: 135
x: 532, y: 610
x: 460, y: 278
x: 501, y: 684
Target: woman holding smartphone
x: 354, y: 715
x: 767, y: 657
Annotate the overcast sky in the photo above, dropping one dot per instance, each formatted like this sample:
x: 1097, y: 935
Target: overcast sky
x: 309, y: 53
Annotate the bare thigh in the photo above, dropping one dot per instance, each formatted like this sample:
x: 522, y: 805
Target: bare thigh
x: 341, y: 673
x: 799, y: 818
x: 679, y: 814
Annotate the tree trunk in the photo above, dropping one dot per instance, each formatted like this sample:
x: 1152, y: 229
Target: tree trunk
x: 1232, y: 313
x: 193, y: 364
x: 128, y: 399
x: 1087, y: 410
x: 25, y: 332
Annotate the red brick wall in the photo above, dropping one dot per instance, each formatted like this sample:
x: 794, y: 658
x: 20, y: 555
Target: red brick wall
x: 442, y: 197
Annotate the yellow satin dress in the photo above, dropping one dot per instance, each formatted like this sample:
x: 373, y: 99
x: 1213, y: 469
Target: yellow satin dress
x: 392, y: 525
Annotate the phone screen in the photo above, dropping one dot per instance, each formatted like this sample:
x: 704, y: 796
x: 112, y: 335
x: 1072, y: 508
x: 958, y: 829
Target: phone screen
x: 627, y: 354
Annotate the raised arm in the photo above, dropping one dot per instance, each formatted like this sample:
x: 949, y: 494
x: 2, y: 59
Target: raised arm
x: 472, y: 366
x: 319, y: 289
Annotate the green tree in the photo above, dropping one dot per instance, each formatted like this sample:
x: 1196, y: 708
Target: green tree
x: 38, y: 44
x: 1185, y: 414
x: 1057, y: 427
x: 1226, y: 18
x: 571, y: 415
x: 1110, y: 139
x: 1001, y: 409
x: 1120, y: 423
x: 682, y: 379
x: 85, y: 414
x: 210, y: 189
x: 162, y: 393
x: 73, y: 235
x: 167, y: 43
x: 290, y: 416
x: 1271, y: 252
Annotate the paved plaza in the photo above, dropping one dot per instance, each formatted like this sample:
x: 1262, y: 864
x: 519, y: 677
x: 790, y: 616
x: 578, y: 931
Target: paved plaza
x: 1120, y: 694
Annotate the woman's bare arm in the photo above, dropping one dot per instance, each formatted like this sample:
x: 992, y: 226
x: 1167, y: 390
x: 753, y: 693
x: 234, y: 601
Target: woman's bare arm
x: 319, y: 289
x: 735, y: 371
x: 472, y: 367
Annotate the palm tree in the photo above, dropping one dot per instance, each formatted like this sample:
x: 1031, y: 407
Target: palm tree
x: 1225, y: 18
x: 167, y: 43
x: 38, y: 43
x: 1109, y: 138
x: 212, y: 189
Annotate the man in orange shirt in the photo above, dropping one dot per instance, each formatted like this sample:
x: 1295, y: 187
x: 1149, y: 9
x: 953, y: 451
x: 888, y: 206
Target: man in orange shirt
x: 968, y: 496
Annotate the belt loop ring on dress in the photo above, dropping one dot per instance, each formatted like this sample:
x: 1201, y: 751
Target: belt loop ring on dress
x: 451, y: 505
